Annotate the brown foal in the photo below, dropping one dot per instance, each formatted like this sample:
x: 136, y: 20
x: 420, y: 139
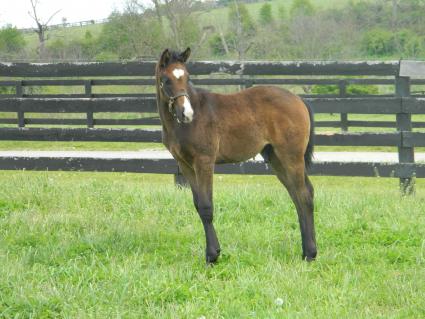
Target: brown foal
x: 201, y: 129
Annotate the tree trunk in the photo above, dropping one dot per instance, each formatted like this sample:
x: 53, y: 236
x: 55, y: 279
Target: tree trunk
x: 41, y: 41
x: 223, y: 40
x: 157, y: 11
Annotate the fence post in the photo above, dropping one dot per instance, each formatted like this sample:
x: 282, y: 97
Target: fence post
x: 88, y: 93
x: 21, y: 115
x: 404, y: 123
x: 344, y: 116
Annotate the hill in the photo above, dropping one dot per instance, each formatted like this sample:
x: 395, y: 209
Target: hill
x: 274, y: 30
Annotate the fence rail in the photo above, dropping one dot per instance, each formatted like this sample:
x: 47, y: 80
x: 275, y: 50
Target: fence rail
x: 92, y: 88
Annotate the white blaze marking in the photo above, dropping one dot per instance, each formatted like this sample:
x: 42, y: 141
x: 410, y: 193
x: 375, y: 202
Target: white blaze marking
x: 187, y: 109
x: 178, y: 73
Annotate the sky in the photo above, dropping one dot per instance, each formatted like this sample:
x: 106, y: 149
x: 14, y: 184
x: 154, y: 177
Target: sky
x: 15, y: 12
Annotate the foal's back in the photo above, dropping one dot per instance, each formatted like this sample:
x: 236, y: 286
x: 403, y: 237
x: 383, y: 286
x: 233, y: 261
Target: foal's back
x: 263, y: 103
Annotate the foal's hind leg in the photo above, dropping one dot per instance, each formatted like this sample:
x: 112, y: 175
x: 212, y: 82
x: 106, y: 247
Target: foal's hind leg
x: 291, y: 172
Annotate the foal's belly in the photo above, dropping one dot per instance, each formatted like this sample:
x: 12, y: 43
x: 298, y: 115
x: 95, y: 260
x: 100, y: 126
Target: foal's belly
x: 239, y: 152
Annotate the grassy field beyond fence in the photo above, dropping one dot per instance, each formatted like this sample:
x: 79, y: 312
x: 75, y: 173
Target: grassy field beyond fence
x: 111, y: 245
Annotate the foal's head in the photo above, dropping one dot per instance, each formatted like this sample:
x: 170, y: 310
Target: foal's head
x: 172, y: 84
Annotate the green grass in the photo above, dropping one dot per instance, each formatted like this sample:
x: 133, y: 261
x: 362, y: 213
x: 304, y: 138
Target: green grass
x: 125, y: 245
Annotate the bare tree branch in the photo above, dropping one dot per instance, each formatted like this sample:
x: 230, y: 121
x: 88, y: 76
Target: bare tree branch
x: 51, y: 17
x: 41, y: 27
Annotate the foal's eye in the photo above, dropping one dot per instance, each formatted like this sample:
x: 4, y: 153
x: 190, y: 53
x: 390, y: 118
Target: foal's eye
x: 166, y: 80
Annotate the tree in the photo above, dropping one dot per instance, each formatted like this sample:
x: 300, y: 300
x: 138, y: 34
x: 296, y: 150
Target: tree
x: 379, y: 42
x: 241, y: 29
x: 182, y: 22
x: 56, y: 50
x: 11, y: 40
x: 89, y: 46
x: 178, y: 13
x: 281, y: 13
x: 266, y: 17
x: 302, y: 7
x: 129, y: 35
x: 321, y: 37
x: 41, y: 27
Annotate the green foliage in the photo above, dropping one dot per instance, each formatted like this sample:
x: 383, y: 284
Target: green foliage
x: 73, y: 49
x: 89, y: 45
x: 106, y: 56
x: 115, y: 36
x: 240, y: 16
x: 414, y: 48
x: 403, y: 43
x: 368, y: 14
x: 57, y: 49
x: 241, y: 29
x: 325, y: 89
x: 302, y: 7
x: 216, y: 45
x: 266, y: 17
x: 379, y: 42
x: 356, y: 89
x: 11, y: 40
x: 130, y: 35
x: 6, y: 89
x: 372, y: 29
x: 281, y: 13
x: 189, y: 31
x: 409, y: 44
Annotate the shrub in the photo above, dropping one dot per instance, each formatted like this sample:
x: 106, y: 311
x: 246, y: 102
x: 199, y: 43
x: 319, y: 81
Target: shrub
x: 302, y: 7
x: 266, y: 17
x: 325, y: 89
x: 216, y: 45
x: 356, y: 89
x: 11, y: 40
x: 379, y: 42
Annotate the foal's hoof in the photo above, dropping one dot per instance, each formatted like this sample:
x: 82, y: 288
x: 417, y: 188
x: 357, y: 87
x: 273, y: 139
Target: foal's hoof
x: 211, y: 258
x: 310, y: 257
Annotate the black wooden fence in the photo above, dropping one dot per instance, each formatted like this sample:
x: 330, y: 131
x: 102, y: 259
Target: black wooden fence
x: 88, y: 88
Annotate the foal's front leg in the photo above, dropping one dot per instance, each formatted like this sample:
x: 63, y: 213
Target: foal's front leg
x: 201, y: 181
x: 204, y: 170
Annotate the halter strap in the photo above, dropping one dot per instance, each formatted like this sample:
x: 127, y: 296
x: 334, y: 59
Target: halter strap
x: 172, y: 99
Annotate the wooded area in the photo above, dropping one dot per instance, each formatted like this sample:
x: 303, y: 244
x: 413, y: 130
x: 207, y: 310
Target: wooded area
x: 236, y: 30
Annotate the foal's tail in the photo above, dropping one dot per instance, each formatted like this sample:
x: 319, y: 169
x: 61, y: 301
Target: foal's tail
x: 308, y: 155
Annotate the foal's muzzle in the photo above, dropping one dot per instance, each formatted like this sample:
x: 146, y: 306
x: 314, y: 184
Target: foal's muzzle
x: 180, y: 107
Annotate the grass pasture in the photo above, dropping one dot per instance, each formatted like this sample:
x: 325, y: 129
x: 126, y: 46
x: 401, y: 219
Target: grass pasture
x: 108, y: 245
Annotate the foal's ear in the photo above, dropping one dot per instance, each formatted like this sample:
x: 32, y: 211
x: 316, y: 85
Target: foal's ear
x: 165, y: 58
x: 184, y: 56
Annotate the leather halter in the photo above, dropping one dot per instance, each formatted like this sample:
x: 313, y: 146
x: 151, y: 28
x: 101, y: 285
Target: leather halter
x: 172, y: 99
